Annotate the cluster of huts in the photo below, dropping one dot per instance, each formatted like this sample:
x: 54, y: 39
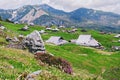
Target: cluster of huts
x: 35, y: 43
x: 84, y: 40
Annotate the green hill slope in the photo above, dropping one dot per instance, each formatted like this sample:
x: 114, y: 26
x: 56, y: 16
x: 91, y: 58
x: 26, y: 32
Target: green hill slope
x: 14, y: 62
x: 107, y: 40
x: 87, y: 63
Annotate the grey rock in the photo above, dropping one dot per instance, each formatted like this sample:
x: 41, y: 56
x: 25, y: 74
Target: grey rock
x: 25, y: 28
x: 42, y: 31
x: 32, y: 76
x: 8, y: 39
x: 34, y: 42
x: 2, y: 27
x: 15, y: 39
x: 116, y: 48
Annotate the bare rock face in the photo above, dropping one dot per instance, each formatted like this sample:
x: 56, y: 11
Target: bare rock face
x: 34, y: 42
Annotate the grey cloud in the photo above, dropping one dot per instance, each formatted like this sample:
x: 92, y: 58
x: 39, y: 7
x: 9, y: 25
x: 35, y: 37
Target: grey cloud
x: 67, y: 5
x: 11, y: 4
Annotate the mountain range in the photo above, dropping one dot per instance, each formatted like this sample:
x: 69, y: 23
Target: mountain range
x: 47, y: 15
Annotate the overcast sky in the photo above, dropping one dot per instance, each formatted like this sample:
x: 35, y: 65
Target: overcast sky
x: 66, y: 5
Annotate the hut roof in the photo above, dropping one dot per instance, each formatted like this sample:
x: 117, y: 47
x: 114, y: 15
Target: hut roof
x: 117, y: 36
x: 56, y: 40
x: 87, y: 40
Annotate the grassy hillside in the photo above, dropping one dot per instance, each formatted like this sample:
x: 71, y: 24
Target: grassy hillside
x: 85, y: 58
x: 107, y: 40
x: 87, y: 62
x: 14, y: 62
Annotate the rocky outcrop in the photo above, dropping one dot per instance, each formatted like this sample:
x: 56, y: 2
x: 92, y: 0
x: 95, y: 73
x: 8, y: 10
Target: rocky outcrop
x: 34, y: 42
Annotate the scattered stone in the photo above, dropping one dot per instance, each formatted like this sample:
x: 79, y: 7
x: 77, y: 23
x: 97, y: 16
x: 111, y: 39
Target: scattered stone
x: 31, y: 24
x: 42, y: 31
x: 118, y: 40
x: 51, y: 29
x: 25, y: 28
x: 21, y: 37
x: 15, y: 45
x: 22, y: 76
x: 117, y: 36
x: 61, y: 26
x: 116, y: 48
x: 55, y: 30
x: 48, y: 28
x: 8, y: 39
x: 33, y: 75
x: 72, y: 31
x: 15, y: 39
x: 2, y: 27
x: 16, y: 22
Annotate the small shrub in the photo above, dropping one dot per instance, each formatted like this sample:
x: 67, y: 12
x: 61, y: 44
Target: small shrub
x: 54, y: 61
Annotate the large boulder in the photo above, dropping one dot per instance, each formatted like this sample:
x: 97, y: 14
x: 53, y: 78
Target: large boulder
x: 34, y: 42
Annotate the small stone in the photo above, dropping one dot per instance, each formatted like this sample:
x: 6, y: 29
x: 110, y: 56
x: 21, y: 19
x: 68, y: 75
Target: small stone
x: 32, y: 76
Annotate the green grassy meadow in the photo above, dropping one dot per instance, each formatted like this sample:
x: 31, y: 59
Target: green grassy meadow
x: 88, y: 63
